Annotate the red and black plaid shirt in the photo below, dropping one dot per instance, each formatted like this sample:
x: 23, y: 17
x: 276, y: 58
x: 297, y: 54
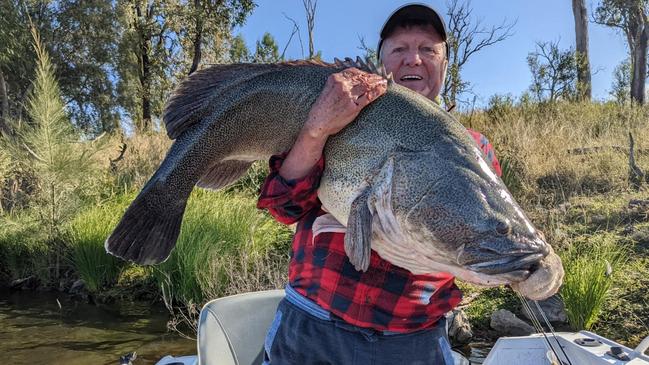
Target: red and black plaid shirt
x: 385, y: 297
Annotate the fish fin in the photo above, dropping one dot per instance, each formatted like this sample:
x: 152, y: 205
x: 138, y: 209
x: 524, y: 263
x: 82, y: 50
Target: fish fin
x: 144, y: 235
x: 223, y: 174
x: 359, y: 232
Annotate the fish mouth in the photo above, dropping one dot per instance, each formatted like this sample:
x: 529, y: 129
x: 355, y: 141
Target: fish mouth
x: 516, y: 268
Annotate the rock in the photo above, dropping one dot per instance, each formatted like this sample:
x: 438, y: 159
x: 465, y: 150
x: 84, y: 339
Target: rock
x: 78, y: 287
x: 598, y: 219
x: 506, y: 323
x: 641, y: 236
x: 552, y: 307
x: 459, y: 328
x: 27, y: 283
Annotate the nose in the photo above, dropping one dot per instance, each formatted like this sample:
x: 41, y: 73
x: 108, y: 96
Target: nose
x: 413, y: 59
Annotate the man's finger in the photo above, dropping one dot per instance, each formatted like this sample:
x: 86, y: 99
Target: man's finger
x: 360, y: 89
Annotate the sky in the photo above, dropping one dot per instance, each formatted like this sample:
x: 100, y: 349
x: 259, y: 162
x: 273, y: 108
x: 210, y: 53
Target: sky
x: 498, y: 69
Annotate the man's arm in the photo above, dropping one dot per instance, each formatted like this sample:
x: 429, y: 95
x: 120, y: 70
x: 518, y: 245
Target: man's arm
x: 290, y: 190
x: 344, y: 96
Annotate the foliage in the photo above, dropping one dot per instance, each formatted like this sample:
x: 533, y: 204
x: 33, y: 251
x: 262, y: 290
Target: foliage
x: 217, y: 228
x: 239, y: 52
x: 83, y: 49
x: 554, y: 72
x: 23, y: 251
x: 87, y: 233
x: 591, y: 265
x: 266, y: 50
x: 48, y: 147
x: 630, y: 17
x: 621, y: 85
x: 203, y: 27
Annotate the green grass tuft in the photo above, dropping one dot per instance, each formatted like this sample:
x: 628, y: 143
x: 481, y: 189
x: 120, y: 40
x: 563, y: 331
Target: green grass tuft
x: 588, y: 279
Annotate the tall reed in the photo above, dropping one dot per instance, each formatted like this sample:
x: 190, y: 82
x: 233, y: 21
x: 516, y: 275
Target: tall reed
x: 591, y: 265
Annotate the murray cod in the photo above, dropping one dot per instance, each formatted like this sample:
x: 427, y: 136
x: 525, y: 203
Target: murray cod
x: 405, y: 177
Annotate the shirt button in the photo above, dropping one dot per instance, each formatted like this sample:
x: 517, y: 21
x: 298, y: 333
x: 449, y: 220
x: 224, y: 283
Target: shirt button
x: 368, y: 299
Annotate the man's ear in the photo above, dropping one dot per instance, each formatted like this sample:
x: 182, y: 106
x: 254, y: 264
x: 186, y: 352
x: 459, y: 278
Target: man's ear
x: 444, y: 71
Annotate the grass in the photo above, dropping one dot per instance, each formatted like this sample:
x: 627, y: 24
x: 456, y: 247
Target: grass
x: 591, y: 265
x: 23, y: 249
x: 218, y: 230
x: 87, y: 233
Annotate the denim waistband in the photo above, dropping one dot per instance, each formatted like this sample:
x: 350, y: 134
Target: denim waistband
x: 313, y: 309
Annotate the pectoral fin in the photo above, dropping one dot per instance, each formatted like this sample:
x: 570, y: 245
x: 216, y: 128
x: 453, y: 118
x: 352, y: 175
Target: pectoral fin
x: 359, y: 232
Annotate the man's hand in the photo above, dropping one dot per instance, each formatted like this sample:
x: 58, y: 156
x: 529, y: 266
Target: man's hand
x: 345, y: 94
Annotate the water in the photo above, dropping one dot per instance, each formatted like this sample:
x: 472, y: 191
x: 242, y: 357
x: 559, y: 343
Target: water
x: 476, y: 352
x: 34, y: 331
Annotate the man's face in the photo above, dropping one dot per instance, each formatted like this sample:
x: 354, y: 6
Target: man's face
x: 416, y: 57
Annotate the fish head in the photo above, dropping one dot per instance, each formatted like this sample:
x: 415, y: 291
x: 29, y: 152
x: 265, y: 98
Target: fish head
x: 457, y: 216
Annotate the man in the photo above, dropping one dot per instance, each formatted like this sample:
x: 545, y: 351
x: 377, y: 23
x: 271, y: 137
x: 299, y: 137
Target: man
x: 333, y: 314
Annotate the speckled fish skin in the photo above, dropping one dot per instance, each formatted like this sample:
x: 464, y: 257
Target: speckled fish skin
x: 405, y: 173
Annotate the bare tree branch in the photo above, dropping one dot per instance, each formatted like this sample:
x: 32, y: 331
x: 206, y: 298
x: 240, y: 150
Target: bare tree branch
x: 310, y: 8
x: 296, y: 30
x: 466, y: 37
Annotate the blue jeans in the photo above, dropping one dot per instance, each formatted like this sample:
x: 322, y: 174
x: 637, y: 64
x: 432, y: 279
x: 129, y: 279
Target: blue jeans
x: 303, y: 333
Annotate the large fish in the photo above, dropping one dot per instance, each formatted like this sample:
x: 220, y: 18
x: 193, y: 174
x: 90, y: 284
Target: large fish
x: 405, y: 177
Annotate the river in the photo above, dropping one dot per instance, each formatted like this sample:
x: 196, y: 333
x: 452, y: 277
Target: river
x: 35, y: 330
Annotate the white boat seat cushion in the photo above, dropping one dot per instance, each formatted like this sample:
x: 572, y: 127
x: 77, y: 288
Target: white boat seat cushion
x: 231, y: 330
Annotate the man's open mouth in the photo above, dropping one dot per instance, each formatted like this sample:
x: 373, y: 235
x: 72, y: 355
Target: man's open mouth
x: 411, y: 78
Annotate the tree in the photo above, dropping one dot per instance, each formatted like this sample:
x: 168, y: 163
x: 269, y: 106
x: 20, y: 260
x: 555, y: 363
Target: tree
x: 583, y: 60
x: 466, y: 37
x: 80, y: 37
x: 82, y: 46
x: 49, y: 148
x: 630, y: 17
x: 554, y: 72
x: 621, y: 86
x: 147, y: 60
x: 16, y: 60
x: 267, y: 50
x: 205, y: 25
x: 239, y: 52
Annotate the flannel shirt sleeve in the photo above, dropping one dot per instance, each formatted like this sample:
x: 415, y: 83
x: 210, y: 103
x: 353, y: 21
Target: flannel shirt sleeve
x: 290, y: 200
x: 488, y: 150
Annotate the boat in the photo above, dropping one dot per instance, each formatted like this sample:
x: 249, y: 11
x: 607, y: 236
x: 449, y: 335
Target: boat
x: 231, y: 331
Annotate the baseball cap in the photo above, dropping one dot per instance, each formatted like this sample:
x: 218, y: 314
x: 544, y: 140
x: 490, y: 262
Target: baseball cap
x: 413, y: 11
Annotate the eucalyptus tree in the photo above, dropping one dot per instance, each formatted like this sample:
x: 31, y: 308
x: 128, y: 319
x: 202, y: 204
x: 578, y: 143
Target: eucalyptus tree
x: 581, y: 52
x: 630, y: 17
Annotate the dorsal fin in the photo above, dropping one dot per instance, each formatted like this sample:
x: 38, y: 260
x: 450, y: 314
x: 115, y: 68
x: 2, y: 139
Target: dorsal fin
x: 193, y: 97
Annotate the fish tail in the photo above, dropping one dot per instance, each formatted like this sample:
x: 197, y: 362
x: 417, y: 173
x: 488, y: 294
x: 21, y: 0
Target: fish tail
x: 147, y: 233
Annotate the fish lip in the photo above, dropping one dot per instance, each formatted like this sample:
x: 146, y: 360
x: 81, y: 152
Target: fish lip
x: 523, y: 264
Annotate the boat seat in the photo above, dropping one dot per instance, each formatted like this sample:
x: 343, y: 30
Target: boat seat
x: 231, y: 330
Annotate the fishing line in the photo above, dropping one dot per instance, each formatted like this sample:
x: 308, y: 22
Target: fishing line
x: 537, y: 324
x: 547, y: 322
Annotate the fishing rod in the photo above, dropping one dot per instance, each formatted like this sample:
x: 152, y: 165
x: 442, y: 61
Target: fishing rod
x: 539, y: 328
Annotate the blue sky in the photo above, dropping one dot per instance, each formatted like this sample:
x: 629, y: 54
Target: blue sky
x: 501, y: 68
